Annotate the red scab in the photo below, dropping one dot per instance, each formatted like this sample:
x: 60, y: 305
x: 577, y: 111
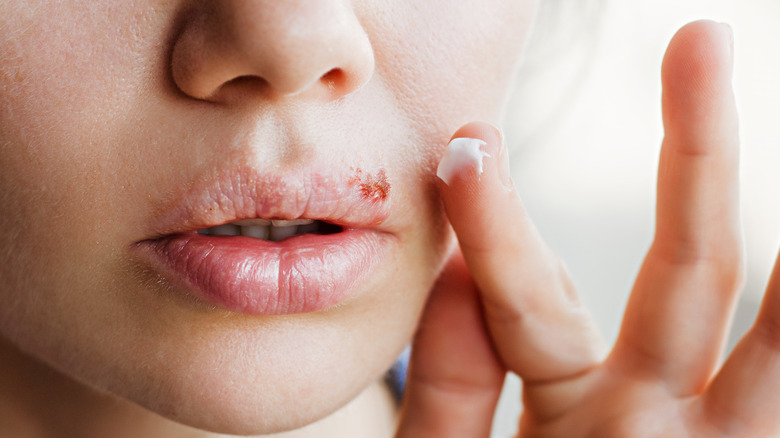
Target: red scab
x: 372, y: 187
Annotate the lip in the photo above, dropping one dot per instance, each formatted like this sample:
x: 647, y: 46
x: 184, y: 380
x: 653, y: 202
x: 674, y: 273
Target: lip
x: 300, y: 274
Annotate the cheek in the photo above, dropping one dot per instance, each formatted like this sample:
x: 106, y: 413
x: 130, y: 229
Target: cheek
x: 444, y: 72
x: 61, y: 155
x: 68, y: 95
x: 457, y: 67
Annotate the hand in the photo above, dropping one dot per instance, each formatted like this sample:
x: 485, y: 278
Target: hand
x: 505, y: 302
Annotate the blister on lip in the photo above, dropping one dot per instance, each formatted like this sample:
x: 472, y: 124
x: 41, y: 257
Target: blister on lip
x: 337, y: 198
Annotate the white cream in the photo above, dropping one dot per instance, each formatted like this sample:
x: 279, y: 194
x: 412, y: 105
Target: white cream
x: 461, y: 153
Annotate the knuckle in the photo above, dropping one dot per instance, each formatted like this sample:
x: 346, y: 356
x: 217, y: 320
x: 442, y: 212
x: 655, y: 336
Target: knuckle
x: 724, y: 262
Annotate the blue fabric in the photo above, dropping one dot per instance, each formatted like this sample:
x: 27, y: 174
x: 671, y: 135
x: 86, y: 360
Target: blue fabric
x: 396, y: 376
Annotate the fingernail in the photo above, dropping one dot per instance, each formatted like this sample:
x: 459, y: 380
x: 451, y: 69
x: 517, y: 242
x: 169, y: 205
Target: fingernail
x: 462, y: 153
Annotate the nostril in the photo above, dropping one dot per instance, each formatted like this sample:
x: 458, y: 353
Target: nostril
x: 245, y: 83
x: 334, y: 78
x: 232, y: 49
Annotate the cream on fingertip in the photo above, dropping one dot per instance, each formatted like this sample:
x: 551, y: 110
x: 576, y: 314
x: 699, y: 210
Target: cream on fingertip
x: 461, y: 153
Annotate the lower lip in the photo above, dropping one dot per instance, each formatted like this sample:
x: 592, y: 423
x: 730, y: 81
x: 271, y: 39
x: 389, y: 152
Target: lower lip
x: 302, y: 274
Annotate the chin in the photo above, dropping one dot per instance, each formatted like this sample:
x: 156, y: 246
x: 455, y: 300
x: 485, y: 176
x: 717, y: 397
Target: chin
x: 234, y: 375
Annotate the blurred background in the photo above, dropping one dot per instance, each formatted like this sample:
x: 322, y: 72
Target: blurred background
x: 585, y: 131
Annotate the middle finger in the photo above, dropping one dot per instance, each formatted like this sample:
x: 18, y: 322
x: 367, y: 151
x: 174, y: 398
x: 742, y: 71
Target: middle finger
x: 679, y: 312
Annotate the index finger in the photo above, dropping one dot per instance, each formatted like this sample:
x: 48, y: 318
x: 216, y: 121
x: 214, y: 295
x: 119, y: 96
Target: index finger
x: 540, y: 329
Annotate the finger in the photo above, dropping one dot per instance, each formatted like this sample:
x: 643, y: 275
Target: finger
x: 745, y: 395
x: 455, y: 377
x: 540, y: 329
x: 679, y: 312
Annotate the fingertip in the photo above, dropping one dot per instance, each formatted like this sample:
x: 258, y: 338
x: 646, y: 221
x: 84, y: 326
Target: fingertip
x: 476, y: 188
x: 699, y: 58
x: 467, y: 152
x: 482, y: 130
x: 699, y: 109
x: 462, y: 154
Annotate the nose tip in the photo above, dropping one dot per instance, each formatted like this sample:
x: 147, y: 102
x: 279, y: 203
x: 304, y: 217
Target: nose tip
x: 283, y: 48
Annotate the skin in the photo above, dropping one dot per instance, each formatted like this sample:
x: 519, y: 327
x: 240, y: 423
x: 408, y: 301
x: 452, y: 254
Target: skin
x: 108, y: 108
x: 511, y: 300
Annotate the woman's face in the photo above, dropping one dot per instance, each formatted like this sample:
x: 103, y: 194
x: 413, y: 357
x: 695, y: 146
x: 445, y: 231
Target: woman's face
x: 129, y: 130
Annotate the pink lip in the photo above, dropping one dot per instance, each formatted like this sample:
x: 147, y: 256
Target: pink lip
x: 305, y: 273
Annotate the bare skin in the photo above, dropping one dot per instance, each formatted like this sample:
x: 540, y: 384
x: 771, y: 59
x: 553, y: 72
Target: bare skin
x: 109, y: 109
x: 117, y: 116
x: 507, y: 297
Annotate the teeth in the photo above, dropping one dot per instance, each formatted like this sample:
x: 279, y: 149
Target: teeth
x: 224, y: 230
x: 309, y: 228
x: 273, y: 230
x: 257, y: 231
x: 279, y: 233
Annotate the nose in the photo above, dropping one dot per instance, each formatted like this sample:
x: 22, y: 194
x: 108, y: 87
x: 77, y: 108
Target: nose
x: 283, y: 47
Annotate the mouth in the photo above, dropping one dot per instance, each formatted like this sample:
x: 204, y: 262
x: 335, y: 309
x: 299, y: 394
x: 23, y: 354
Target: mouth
x: 273, y: 230
x: 259, y: 244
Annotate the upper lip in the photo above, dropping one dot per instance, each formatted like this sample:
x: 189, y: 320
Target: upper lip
x: 337, y: 197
